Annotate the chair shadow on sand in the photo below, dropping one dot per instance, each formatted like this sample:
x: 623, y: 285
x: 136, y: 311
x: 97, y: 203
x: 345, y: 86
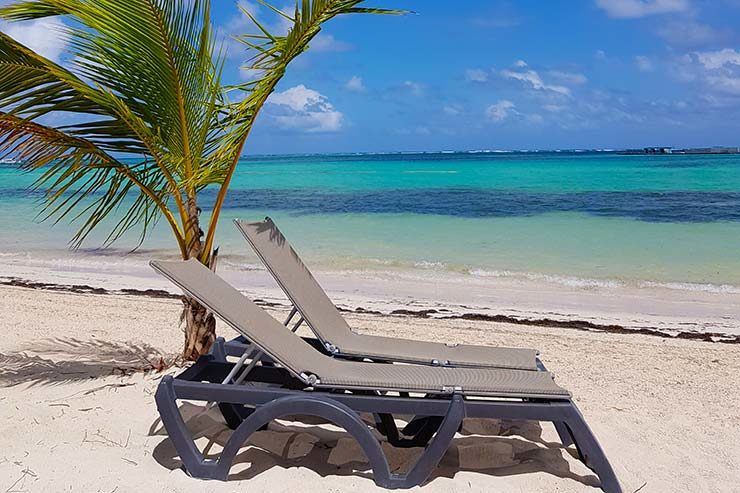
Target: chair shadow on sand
x: 494, y: 447
x: 57, y: 361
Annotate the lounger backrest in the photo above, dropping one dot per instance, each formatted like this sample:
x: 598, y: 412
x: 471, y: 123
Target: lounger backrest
x: 244, y: 316
x: 295, y: 280
x: 303, y: 361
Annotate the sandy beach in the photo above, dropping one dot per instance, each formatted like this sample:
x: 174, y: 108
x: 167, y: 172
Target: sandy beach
x: 77, y: 413
x: 554, y: 183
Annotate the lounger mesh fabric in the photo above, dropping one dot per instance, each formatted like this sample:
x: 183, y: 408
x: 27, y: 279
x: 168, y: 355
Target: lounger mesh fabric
x: 325, y: 320
x: 290, y: 351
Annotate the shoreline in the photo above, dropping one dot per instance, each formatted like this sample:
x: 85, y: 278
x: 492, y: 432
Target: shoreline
x: 437, y: 314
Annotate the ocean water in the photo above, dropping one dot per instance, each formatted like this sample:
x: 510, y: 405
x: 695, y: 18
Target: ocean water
x: 581, y: 219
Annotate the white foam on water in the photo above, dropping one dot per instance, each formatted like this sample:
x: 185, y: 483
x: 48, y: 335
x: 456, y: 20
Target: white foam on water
x: 570, y: 281
x: 427, y: 265
x: 690, y: 286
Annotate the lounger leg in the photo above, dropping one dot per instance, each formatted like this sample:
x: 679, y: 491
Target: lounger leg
x: 564, y: 433
x: 420, y: 438
x: 192, y: 459
x: 415, y: 425
x: 325, y: 408
x: 591, y: 452
x: 437, y: 446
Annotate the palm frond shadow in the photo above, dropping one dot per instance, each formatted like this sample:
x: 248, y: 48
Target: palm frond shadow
x: 514, y: 448
x: 56, y: 361
x: 276, y: 236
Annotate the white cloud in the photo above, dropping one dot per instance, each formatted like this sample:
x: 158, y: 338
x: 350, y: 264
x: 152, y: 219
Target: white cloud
x: 687, y: 32
x: 644, y: 64
x: 275, y: 23
x: 713, y: 60
x: 520, y: 64
x: 533, y: 79
x: 452, y: 109
x: 725, y: 83
x: 571, y: 78
x: 554, y: 108
x: 640, y: 8
x: 476, y: 75
x: 44, y: 36
x: 500, y: 111
x: 415, y: 88
x: 248, y: 74
x: 327, y: 43
x: 720, y: 69
x: 355, y: 84
x: 301, y: 108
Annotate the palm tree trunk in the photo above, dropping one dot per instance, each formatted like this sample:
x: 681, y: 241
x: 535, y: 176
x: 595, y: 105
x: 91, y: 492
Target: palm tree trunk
x: 200, y: 325
x: 200, y: 329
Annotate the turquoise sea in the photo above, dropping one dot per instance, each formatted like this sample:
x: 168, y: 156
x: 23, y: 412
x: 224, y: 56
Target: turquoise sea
x: 575, y: 216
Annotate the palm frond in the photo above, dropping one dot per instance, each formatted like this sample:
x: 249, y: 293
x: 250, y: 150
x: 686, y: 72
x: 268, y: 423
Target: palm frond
x: 271, y: 56
x: 146, y: 77
x: 144, y: 72
x: 83, y: 182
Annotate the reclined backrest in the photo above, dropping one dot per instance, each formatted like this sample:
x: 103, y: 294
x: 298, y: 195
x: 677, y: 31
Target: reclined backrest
x: 245, y: 316
x: 296, y: 280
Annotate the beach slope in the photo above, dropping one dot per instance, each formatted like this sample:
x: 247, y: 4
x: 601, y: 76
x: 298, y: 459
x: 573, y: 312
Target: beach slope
x: 76, y: 415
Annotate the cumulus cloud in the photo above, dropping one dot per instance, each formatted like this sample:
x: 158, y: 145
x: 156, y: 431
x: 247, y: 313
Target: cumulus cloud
x: 500, y: 111
x: 571, y: 78
x: 476, y: 75
x: 719, y: 70
x: 625, y: 9
x: 415, y: 88
x: 304, y: 109
x: 328, y: 43
x: 714, y: 60
x: 533, y: 79
x: 644, y: 64
x: 554, y: 108
x: 44, y: 36
x: 690, y: 33
x: 355, y: 84
x: 452, y: 109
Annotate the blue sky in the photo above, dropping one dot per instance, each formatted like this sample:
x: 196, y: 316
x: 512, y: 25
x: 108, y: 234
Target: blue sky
x: 481, y: 74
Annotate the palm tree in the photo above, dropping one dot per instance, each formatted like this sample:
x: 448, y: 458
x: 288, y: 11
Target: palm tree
x: 144, y: 81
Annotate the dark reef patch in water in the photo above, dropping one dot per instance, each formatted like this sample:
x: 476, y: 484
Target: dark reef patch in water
x: 649, y: 206
x: 470, y: 202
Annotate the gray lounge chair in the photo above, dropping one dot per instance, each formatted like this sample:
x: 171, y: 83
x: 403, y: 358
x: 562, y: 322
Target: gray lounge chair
x: 300, y: 381
x: 325, y: 320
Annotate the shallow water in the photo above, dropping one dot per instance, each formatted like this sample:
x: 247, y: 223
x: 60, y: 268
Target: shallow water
x: 575, y: 218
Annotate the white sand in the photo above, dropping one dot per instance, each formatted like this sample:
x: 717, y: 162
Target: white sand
x: 665, y: 411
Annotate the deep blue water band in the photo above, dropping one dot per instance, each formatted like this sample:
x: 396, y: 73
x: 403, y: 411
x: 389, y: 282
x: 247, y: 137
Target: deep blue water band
x: 673, y: 206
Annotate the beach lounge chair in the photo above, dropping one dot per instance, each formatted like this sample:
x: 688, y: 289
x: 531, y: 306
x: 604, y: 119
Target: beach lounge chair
x: 300, y: 381
x: 332, y: 330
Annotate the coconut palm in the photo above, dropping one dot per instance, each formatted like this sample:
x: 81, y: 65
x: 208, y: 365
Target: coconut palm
x: 143, y: 81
